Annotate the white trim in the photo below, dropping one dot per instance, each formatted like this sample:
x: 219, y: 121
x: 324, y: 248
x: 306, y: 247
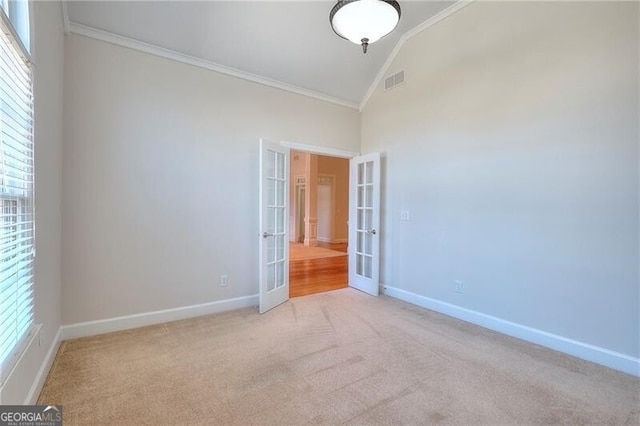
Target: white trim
x: 406, y: 36
x: 331, y: 152
x: 92, y: 328
x: 7, y: 27
x: 299, y: 183
x: 18, y: 354
x: 173, y: 55
x: 43, y: 372
x: 606, y: 357
x: 333, y: 241
x: 66, y: 25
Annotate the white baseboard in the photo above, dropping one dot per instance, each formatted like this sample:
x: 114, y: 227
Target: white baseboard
x: 602, y: 356
x: 334, y: 241
x: 43, y: 372
x: 92, y: 328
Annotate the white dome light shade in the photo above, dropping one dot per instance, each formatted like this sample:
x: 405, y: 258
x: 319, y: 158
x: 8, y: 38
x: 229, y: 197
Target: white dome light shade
x: 364, y: 21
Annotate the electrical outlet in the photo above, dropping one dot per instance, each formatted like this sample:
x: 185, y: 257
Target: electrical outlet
x: 458, y: 287
x: 404, y: 215
x: 224, y: 280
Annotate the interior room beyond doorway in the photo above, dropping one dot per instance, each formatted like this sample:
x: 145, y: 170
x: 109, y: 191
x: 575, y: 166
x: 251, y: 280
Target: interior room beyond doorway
x: 318, y: 223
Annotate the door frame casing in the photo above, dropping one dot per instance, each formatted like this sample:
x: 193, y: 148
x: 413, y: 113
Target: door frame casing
x: 312, y: 149
x: 299, y: 213
x: 319, y: 150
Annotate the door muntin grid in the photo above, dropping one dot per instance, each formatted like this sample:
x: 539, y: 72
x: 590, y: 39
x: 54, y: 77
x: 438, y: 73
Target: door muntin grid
x: 364, y: 220
x: 274, y: 224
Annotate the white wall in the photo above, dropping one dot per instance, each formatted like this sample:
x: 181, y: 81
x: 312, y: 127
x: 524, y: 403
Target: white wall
x: 161, y: 178
x: 514, y: 145
x: 47, y: 50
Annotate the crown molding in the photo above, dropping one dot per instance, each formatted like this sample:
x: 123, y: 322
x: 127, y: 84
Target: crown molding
x: 65, y: 16
x: 112, y: 38
x: 173, y: 55
x: 458, y: 5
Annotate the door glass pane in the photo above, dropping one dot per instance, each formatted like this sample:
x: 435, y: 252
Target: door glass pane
x: 369, y: 195
x: 359, y: 264
x: 280, y: 165
x: 271, y: 164
x: 368, y: 243
x: 271, y: 192
x: 279, y: 219
x: 271, y: 249
x: 360, y: 173
x: 280, y: 193
x: 280, y: 274
x: 359, y: 242
x: 270, y: 220
x: 360, y: 200
x: 368, y: 219
x: 279, y: 247
x: 360, y: 224
x: 271, y: 277
x: 369, y: 172
x: 367, y: 267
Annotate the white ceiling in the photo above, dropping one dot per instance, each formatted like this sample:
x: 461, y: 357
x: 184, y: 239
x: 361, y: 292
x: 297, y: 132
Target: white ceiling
x: 287, y: 41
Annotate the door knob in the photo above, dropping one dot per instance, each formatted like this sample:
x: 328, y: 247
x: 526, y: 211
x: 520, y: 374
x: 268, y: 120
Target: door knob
x: 266, y: 234
x: 372, y: 231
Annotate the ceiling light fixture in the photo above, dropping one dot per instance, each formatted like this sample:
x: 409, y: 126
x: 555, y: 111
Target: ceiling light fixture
x: 364, y: 21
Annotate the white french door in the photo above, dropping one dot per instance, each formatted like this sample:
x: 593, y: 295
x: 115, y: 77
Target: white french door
x: 364, y: 223
x: 274, y: 227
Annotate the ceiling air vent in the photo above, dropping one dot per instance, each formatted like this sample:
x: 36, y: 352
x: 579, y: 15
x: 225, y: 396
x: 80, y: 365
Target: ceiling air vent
x: 393, y: 80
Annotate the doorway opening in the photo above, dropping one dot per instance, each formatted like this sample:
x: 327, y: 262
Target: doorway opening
x: 276, y: 223
x: 318, y: 223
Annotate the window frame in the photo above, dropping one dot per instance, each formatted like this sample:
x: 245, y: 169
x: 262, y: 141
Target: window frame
x: 21, y: 204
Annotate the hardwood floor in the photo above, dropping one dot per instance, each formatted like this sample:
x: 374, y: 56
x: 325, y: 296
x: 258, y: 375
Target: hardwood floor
x: 312, y: 276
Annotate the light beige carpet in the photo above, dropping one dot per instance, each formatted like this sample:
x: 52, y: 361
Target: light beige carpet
x: 332, y: 358
x: 299, y: 251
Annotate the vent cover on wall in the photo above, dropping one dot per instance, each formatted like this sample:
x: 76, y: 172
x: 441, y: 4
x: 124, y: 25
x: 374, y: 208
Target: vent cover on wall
x: 394, y: 80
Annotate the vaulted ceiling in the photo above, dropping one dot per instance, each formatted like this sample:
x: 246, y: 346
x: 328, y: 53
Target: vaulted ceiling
x: 287, y: 41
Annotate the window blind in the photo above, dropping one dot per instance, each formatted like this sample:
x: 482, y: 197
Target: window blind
x: 16, y: 197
